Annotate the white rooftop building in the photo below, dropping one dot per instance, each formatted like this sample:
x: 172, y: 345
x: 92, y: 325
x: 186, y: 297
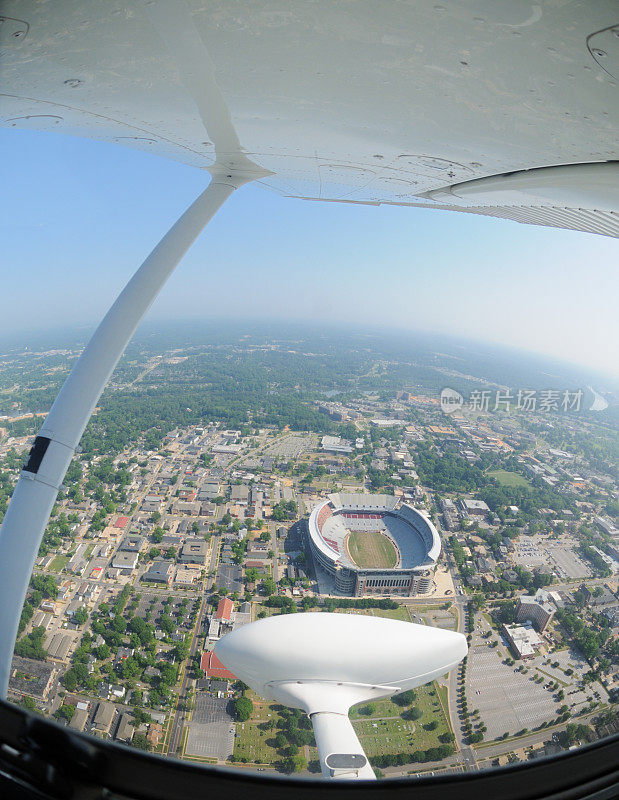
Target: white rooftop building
x: 523, y: 639
x: 335, y: 444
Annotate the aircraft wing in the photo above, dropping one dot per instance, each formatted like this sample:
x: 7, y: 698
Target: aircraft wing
x: 411, y: 103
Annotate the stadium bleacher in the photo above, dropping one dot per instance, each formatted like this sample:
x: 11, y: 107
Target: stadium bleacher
x: 411, y: 534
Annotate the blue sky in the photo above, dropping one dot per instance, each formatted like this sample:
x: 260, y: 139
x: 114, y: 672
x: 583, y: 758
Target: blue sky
x: 78, y: 217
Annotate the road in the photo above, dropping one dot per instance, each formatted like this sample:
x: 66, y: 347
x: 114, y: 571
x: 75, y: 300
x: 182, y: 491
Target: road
x: 150, y: 366
x: 460, y: 601
x: 210, y: 574
x: 176, y: 730
x: 492, y: 750
x: 273, y: 529
x: 467, y: 752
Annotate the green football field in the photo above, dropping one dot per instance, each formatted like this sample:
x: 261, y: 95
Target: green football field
x: 507, y: 478
x: 371, y: 549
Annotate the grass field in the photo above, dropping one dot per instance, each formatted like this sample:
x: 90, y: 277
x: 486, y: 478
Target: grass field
x: 385, y: 736
x: 371, y: 549
x: 443, y: 697
x: 250, y: 743
x: 401, y: 612
x: 254, y: 745
x: 507, y: 478
x: 59, y: 563
x: 254, y: 741
x: 386, y: 731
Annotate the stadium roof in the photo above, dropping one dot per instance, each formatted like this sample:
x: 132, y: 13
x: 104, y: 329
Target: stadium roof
x: 328, y: 531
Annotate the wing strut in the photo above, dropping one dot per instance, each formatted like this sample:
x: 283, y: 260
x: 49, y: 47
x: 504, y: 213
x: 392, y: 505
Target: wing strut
x: 339, y: 749
x: 53, y: 449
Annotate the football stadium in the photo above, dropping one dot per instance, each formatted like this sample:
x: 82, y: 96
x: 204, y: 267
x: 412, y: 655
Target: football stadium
x: 372, y: 544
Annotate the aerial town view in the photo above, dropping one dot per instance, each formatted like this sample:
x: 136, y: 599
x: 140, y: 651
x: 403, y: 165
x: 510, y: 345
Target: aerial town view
x: 233, y: 475
x: 309, y: 400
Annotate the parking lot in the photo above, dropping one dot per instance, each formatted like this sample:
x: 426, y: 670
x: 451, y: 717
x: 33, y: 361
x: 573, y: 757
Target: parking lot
x: 210, y: 740
x: 152, y: 605
x: 571, y: 661
x: 210, y: 709
x: 211, y: 730
x: 292, y: 446
x: 556, y: 556
x: 530, y: 555
x: 229, y: 576
x: 441, y: 618
x: 293, y: 543
x: 507, y: 700
x: 567, y: 563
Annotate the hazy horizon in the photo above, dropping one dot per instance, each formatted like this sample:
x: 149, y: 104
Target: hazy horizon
x: 71, y: 336
x: 88, y: 213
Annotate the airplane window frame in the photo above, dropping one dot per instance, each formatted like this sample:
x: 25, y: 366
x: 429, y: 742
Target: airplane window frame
x: 42, y: 759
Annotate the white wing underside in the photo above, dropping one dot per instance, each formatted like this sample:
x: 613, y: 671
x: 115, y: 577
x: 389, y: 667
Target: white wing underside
x: 359, y: 102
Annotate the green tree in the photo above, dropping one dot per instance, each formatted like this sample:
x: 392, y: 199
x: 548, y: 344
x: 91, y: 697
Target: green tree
x: 31, y: 645
x: 102, y: 652
x: 65, y: 712
x: 281, y: 740
x: 167, y: 673
x: 181, y: 651
x: 405, y: 698
x: 251, y: 575
x: 243, y: 708
x: 81, y: 616
x: 28, y: 703
x: 69, y: 679
x: 292, y: 764
x: 140, y: 741
x: 119, y: 624
x: 167, y: 624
